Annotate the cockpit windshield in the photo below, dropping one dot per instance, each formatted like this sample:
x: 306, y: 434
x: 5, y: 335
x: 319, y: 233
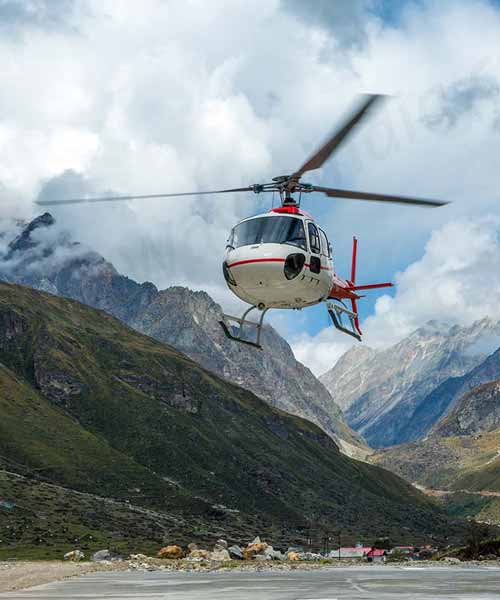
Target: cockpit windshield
x: 276, y: 230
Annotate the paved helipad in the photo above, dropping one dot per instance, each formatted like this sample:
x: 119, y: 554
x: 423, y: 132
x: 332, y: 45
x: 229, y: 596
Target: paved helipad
x: 370, y: 583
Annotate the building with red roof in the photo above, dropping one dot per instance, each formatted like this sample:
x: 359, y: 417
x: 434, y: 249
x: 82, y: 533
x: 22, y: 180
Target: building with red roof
x: 376, y: 555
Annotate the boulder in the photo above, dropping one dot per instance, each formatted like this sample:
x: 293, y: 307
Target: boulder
x: 74, y: 556
x: 171, y: 552
x: 235, y: 552
x: 253, y: 549
x: 192, y: 546
x: 262, y: 557
x: 221, y: 544
x: 293, y: 556
x: 220, y: 555
x: 101, y: 555
x: 311, y: 556
x: 451, y: 559
x: 141, y: 562
x: 138, y: 557
x: 273, y: 554
x: 198, y: 554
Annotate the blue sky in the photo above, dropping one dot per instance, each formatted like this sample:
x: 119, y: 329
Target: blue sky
x: 173, y: 96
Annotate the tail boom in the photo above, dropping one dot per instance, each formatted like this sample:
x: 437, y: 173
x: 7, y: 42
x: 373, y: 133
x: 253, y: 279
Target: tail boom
x: 347, y: 290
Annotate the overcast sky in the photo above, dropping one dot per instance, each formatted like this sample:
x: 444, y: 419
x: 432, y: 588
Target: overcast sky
x: 144, y: 97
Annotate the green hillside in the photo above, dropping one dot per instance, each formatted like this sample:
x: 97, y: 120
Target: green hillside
x: 89, y: 404
x: 455, y: 462
x: 466, y: 467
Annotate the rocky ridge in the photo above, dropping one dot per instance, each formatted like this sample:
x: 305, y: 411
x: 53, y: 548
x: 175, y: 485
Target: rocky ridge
x: 392, y: 396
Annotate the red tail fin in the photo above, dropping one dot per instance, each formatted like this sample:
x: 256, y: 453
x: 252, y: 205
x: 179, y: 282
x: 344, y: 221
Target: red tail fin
x: 356, y: 288
x: 354, y: 304
x: 354, y: 258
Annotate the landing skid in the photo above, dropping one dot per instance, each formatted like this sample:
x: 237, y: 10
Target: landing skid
x: 237, y: 333
x: 337, y: 313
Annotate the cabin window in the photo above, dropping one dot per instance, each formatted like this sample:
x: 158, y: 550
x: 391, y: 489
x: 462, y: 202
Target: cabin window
x: 325, y: 246
x: 274, y: 230
x: 313, y: 238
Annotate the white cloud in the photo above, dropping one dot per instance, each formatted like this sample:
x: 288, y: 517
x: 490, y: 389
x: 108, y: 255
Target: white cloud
x: 166, y: 96
x: 457, y: 280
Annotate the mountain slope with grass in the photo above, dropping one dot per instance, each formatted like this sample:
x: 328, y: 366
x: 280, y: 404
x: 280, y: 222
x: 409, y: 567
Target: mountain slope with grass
x: 91, y: 405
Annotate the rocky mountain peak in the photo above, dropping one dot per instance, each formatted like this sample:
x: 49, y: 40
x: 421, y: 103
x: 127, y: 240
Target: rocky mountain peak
x: 24, y: 241
x: 387, y: 393
x: 431, y: 329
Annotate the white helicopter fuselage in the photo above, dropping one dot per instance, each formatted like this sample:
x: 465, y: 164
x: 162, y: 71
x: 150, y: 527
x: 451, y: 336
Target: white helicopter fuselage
x: 280, y: 259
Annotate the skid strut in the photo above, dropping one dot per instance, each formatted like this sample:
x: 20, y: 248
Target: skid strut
x: 337, y: 312
x: 237, y: 333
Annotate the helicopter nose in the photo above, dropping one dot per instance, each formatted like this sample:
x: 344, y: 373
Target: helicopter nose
x: 228, y: 276
x: 254, y: 274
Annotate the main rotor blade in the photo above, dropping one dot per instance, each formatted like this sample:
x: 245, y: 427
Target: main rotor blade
x: 353, y: 195
x: 335, y: 140
x: 143, y: 197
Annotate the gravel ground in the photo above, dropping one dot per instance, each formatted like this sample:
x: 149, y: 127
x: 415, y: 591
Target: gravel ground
x: 24, y: 574
x: 18, y: 575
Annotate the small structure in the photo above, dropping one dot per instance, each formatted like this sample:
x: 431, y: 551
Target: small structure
x: 424, y: 552
x: 404, y: 551
x: 376, y: 555
x: 352, y: 553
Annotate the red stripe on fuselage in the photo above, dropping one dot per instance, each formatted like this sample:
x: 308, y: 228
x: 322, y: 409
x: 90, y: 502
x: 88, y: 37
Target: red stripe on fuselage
x: 255, y: 260
x: 261, y: 260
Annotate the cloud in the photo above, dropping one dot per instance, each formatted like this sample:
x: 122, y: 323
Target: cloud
x: 347, y: 19
x: 127, y: 97
x: 457, y: 280
x: 460, y: 98
x: 45, y: 14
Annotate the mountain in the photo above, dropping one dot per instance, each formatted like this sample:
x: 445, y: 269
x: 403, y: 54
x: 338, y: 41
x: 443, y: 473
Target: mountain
x: 94, y: 407
x: 477, y: 411
x: 464, y: 471
x: 475, y: 400
x: 391, y: 396
x: 461, y: 454
x: 346, y: 380
x: 46, y: 259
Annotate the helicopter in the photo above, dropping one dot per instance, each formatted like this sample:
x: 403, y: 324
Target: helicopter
x: 282, y: 259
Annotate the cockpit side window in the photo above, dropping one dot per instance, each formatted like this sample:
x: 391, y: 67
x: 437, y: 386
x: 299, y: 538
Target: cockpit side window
x: 326, y: 249
x: 314, y: 238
